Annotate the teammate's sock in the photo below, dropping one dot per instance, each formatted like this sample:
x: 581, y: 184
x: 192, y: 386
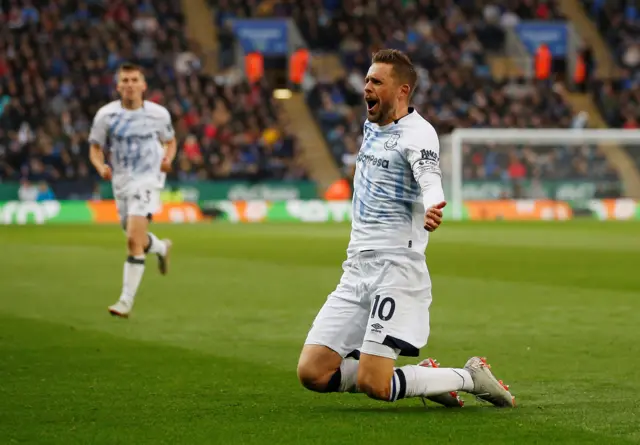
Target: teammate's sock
x: 155, y: 245
x: 345, y: 378
x: 418, y: 381
x: 133, y: 271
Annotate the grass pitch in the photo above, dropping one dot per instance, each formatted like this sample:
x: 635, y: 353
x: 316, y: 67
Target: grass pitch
x: 209, y: 354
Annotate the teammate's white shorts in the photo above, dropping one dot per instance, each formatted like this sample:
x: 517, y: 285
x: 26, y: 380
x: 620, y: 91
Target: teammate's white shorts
x: 380, y: 307
x: 138, y: 201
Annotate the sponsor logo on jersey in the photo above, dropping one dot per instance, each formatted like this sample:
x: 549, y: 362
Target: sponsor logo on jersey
x: 429, y: 155
x: 133, y: 137
x: 375, y: 161
x: 428, y: 163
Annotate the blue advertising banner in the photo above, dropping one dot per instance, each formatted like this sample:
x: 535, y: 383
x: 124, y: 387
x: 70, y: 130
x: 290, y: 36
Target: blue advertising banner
x: 554, y: 34
x: 268, y: 36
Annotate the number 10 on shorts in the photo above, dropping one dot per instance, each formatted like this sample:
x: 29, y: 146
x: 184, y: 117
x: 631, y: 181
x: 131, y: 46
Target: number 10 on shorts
x: 384, y: 308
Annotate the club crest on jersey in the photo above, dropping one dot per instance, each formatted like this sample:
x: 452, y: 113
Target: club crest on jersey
x: 392, y: 142
x: 367, y: 135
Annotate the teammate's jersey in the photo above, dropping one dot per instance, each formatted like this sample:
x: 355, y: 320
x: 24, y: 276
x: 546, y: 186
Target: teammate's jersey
x: 135, y: 139
x: 395, y: 164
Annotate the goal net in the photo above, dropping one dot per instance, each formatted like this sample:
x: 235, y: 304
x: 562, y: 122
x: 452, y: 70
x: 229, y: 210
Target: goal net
x: 512, y: 174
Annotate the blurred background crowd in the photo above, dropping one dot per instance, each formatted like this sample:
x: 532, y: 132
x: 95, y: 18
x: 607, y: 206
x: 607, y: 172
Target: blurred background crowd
x: 57, y: 67
x: 58, y: 60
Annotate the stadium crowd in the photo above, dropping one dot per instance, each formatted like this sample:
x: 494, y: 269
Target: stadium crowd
x: 619, y: 22
x: 619, y: 99
x: 449, y: 45
x: 58, y: 60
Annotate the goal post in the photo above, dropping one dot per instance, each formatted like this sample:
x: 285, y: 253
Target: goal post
x: 491, y: 167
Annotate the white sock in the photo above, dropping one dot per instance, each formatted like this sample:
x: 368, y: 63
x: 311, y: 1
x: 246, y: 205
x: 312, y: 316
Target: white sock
x: 155, y: 245
x: 419, y: 381
x: 348, y: 375
x: 133, y: 271
x: 409, y: 381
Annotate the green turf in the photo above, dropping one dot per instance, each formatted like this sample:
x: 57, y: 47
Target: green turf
x: 209, y: 355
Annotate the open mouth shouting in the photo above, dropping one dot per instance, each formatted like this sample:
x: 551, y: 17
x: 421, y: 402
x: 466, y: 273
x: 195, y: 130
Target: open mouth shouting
x: 373, y: 105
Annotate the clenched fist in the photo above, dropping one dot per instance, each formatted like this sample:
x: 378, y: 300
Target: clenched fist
x: 433, y: 216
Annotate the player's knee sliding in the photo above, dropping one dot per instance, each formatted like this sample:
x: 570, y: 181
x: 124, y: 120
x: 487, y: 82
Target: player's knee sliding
x: 319, y: 369
x: 318, y: 380
x: 375, y: 388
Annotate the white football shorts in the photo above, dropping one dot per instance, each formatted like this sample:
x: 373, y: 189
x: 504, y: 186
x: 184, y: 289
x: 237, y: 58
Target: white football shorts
x: 380, y: 307
x: 138, y: 201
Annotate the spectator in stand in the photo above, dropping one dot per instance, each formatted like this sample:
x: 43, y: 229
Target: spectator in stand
x: 44, y: 193
x: 226, y: 43
x: 27, y: 191
x: 191, y: 149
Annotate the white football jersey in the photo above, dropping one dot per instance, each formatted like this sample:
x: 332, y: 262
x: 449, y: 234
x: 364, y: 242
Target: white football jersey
x: 135, y: 140
x: 397, y: 175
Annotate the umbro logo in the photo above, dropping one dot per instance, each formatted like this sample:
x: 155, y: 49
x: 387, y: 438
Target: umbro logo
x: 377, y: 326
